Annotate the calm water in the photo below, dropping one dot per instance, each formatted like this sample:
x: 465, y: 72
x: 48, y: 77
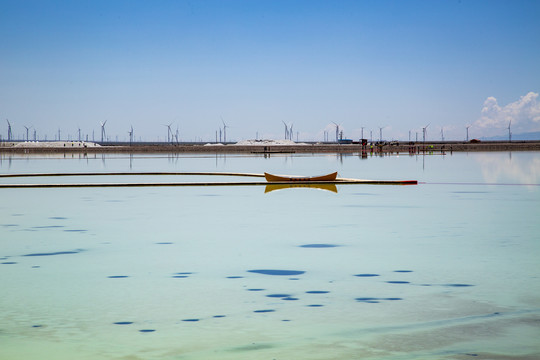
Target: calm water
x: 448, y: 269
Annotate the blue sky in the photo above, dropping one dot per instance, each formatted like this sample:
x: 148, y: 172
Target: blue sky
x: 395, y: 64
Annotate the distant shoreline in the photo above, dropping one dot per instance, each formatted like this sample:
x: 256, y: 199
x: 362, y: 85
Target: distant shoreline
x: 145, y: 148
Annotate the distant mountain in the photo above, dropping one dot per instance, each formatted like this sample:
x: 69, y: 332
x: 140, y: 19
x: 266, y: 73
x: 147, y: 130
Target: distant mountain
x: 524, y: 136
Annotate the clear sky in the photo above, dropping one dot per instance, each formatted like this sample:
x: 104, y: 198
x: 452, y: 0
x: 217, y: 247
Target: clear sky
x: 255, y: 64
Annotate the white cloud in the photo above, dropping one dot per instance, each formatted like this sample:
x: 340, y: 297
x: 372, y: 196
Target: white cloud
x: 523, y: 113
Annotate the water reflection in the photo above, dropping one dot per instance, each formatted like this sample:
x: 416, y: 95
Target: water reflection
x: 498, y: 169
x: 275, y: 187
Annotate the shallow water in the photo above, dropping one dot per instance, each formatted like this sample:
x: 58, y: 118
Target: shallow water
x: 447, y: 269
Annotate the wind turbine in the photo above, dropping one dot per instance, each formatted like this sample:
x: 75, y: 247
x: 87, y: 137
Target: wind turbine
x: 103, y: 135
x: 286, y: 130
x: 79, y: 131
x: 27, y: 128
x: 467, y: 128
x: 130, y: 135
x: 509, y: 131
x: 380, y: 133
x: 337, y: 131
x: 362, y: 132
x: 10, y: 134
x: 442, y: 134
x: 169, y: 132
x: 291, y: 133
x: 424, y: 132
x: 224, y: 130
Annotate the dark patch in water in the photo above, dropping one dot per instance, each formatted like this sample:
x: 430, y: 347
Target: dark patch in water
x: 317, y: 292
x: 289, y: 298
x: 366, y: 275
x: 218, y: 316
x: 458, y: 285
x: 58, y: 218
x: 253, y: 347
x: 184, y: 273
x: 278, y: 295
x: 318, y: 246
x: 294, y: 279
x: 147, y: 330
x: 76, y: 230
x: 36, y: 267
x: 278, y: 272
x: 123, y: 323
x: 470, y: 192
x: 10, y: 225
x: 403, y: 271
x: 256, y: 289
x: 54, y: 253
x: 234, y: 277
x: 117, y: 276
x: 48, y: 227
x: 398, y: 282
x: 370, y: 300
x: 285, y: 320
x: 37, y: 326
x: 190, y: 320
x: 180, y: 276
x: 263, y: 311
x: 315, y: 305
x: 9, y: 263
x: 164, y: 243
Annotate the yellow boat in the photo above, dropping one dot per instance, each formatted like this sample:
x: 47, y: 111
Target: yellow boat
x: 281, y: 178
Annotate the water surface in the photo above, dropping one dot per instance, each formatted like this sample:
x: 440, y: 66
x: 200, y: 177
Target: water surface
x: 447, y: 269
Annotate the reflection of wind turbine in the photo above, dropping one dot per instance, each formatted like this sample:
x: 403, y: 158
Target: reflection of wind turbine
x: 103, y: 135
x: 9, y: 134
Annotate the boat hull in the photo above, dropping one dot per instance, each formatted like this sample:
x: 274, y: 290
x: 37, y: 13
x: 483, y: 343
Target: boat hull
x: 279, y: 178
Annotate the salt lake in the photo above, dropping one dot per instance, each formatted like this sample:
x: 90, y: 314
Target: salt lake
x: 446, y: 269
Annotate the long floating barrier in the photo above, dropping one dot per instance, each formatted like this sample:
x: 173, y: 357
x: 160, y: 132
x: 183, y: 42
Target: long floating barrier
x: 340, y: 181
x: 130, y: 173
x: 88, y: 185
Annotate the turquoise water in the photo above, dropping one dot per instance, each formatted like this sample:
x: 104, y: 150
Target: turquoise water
x: 448, y: 269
